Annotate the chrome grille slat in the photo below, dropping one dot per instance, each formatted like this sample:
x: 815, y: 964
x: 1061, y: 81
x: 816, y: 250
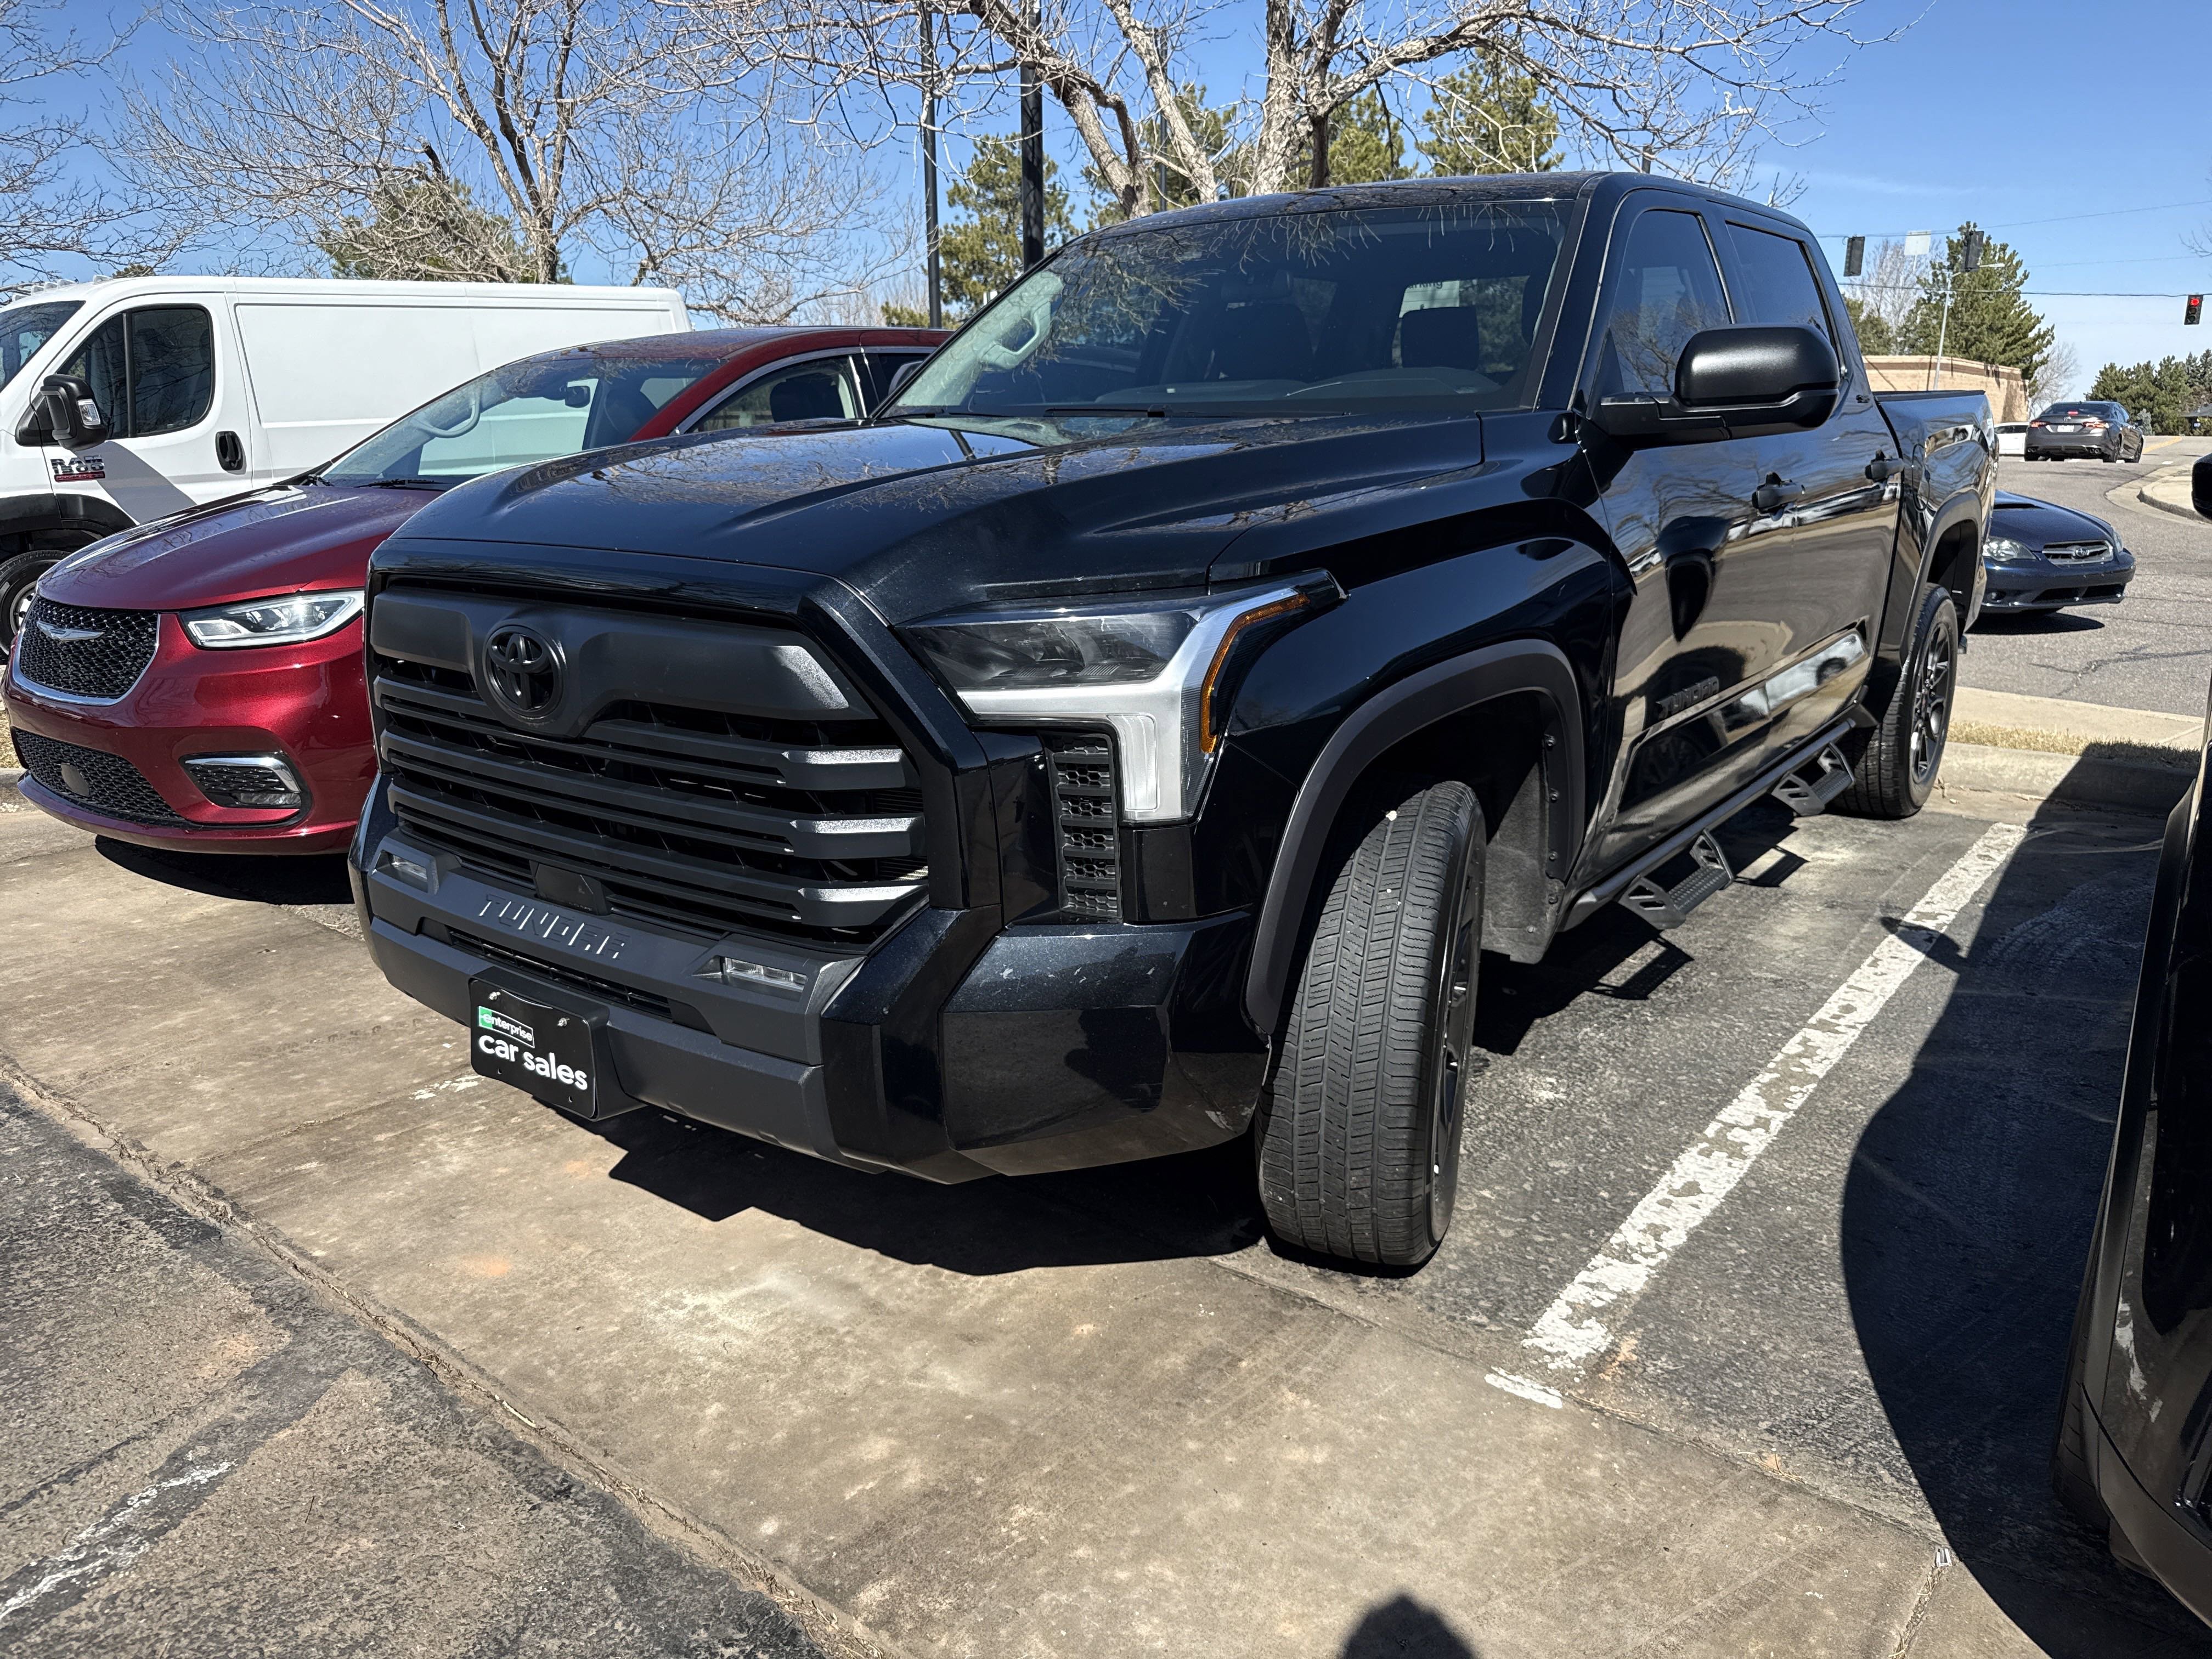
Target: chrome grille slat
x: 101, y: 667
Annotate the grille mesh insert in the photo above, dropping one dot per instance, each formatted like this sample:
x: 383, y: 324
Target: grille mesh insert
x: 91, y: 777
x: 1084, y: 801
x: 105, y: 664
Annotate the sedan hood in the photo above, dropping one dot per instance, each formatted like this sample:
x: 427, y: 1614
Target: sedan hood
x: 278, y: 540
x: 2035, y: 523
x: 928, y: 513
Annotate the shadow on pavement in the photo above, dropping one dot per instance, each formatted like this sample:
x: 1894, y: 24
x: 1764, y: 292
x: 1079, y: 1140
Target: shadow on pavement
x: 1965, y: 1220
x: 258, y: 878
x: 1198, y: 1203
x: 2037, y: 621
x: 1402, y: 1628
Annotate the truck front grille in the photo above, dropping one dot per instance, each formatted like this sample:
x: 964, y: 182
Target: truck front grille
x: 693, y: 820
x: 91, y: 777
x: 1086, y: 819
x: 84, y: 653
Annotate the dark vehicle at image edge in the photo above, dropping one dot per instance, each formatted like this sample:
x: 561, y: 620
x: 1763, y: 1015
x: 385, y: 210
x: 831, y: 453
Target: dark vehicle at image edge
x: 2135, y: 1435
x: 1131, y: 740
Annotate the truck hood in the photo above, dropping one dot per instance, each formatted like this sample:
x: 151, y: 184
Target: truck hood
x: 280, y: 540
x: 927, y: 514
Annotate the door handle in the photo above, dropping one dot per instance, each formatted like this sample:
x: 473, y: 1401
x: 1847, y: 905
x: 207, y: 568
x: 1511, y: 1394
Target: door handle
x: 1775, y: 492
x: 229, y: 451
x: 1881, y: 469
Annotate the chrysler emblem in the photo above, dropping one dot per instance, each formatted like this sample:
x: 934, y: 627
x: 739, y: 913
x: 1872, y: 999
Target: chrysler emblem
x: 523, y: 670
x: 61, y: 634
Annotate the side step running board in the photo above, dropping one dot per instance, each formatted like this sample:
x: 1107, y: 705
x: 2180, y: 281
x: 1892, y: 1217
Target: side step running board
x: 1807, y: 791
x: 1670, y: 907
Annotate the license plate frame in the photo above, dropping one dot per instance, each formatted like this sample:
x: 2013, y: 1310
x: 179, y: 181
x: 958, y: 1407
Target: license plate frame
x: 555, y: 1055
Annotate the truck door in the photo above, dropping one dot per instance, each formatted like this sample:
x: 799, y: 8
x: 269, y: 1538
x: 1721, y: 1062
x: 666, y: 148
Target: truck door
x: 1700, y: 631
x: 1817, y: 550
x: 172, y: 442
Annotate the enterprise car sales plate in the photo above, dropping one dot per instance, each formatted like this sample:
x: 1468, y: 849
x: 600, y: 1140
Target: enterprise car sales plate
x: 538, y: 1049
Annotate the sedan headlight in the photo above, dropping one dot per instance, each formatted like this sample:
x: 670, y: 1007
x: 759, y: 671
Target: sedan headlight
x: 2003, y: 550
x: 1151, y: 671
x: 287, y: 621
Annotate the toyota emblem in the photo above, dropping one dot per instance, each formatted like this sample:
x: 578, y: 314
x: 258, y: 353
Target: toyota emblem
x: 522, y: 668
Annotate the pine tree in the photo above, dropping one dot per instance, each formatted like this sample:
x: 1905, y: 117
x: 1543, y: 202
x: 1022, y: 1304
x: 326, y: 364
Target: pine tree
x: 427, y: 228
x: 1871, y: 326
x: 1486, y: 118
x: 1990, y: 320
x: 982, y: 254
x: 2165, y: 391
x: 1366, y: 145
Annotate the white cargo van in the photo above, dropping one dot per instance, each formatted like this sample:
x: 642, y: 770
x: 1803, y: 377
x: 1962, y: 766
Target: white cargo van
x: 124, y: 400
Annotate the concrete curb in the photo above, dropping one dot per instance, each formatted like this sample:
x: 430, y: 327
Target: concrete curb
x: 2031, y: 774
x: 2169, y: 492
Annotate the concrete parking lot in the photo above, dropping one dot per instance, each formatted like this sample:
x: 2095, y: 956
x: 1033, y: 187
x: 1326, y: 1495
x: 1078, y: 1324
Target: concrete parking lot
x: 1096, y: 1414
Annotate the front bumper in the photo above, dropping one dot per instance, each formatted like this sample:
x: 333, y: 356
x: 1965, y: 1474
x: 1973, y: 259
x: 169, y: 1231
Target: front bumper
x: 2044, y: 584
x: 306, y: 703
x: 950, y: 1050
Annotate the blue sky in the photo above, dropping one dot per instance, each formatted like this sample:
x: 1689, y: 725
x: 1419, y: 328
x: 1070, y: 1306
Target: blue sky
x: 2008, y: 111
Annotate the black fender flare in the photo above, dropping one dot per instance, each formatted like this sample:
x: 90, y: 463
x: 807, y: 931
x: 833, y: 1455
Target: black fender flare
x: 1964, y: 508
x: 1396, y: 712
x: 28, y: 514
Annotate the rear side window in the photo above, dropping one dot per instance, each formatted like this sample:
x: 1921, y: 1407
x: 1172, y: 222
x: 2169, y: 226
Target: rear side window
x: 1778, y: 285
x: 151, y: 370
x: 1668, y: 288
x: 821, y: 388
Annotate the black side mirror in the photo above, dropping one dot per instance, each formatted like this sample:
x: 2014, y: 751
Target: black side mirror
x: 2200, y: 485
x: 1745, y: 382
x: 64, y: 412
x: 905, y: 371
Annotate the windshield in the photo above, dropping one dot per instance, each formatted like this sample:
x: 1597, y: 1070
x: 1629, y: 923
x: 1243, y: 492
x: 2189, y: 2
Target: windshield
x: 537, y: 409
x: 1426, y: 307
x: 24, y: 328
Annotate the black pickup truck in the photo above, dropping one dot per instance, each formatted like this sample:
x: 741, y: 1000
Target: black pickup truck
x: 1134, y: 738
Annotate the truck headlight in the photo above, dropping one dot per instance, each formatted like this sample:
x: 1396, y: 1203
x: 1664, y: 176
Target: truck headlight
x: 2003, y: 550
x: 286, y: 620
x: 1151, y: 671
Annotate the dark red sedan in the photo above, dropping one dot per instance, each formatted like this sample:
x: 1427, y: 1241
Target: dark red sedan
x: 197, y: 682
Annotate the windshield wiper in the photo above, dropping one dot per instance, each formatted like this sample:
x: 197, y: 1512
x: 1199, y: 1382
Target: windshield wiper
x: 1158, y: 411
x: 408, y: 484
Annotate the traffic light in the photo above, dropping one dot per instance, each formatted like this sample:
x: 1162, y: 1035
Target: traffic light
x: 1855, y: 256
x: 1970, y: 251
x: 2194, y: 311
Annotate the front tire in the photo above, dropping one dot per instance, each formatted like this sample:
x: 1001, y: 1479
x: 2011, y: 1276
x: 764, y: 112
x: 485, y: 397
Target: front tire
x: 1358, y: 1131
x: 19, y: 575
x: 1895, y: 773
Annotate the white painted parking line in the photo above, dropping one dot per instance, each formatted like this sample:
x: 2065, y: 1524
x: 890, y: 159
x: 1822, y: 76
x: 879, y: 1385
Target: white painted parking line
x: 1572, y: 1333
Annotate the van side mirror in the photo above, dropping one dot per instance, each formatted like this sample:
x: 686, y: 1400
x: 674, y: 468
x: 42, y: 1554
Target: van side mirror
x: 1746, y: 382
x: 64, y: 412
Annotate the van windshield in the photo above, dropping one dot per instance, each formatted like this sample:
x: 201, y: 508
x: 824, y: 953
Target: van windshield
x: 24, y: 328
x: 539, y: 409
x: 1426, y: 307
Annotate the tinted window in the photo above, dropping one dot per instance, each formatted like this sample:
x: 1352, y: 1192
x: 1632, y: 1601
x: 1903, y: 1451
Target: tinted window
x: 100, y: 363
x: 536, y: 410
x: 821, y: 389
x: 1779, y: 287
x: 24, y: 329
x: 171, y: 353
x: 1667, y: 287
x: 1422, y: 306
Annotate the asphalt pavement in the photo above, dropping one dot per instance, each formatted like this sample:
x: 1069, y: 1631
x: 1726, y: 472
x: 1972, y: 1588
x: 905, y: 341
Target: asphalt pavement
x: 1795, y: 1401
x: 2154, y: 649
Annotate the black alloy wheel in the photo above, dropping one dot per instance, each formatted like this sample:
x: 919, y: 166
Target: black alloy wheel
x: 1357, y: 1137
x: 1894, y: 768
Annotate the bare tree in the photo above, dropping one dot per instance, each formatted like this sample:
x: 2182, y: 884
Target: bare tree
x: 2056, y: 376
x: 503, y: 140
x: 1887, y: 290
x: 47, y: 215
x: 1689, y: 87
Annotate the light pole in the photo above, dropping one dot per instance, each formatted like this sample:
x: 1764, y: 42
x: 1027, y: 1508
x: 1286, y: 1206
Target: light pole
x: 1970, y: 260
x: 1032, y: 142
x: 929, y: 167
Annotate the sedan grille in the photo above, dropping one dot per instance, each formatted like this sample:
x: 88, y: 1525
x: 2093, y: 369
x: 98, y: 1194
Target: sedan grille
x: 2078, y: 552
x: 85, y: 652
x: 108, y: 784
x: 693, y: 820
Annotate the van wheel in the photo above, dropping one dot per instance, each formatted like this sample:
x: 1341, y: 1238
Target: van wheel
x: 19, y: 575
x: 1359, y: 1129
x: 1894, y: 771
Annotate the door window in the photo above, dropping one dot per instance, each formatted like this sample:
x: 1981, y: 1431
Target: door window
x: 1778, y: 285
x: 1668, y: 288
x: 151, y: 370
x: 883, y: 368
x: 820, y: 388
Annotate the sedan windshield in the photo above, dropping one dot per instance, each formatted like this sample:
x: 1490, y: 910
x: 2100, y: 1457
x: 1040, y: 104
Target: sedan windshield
x: 1427, y: 307
x: 24, y: 328
x: 537, y: 409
